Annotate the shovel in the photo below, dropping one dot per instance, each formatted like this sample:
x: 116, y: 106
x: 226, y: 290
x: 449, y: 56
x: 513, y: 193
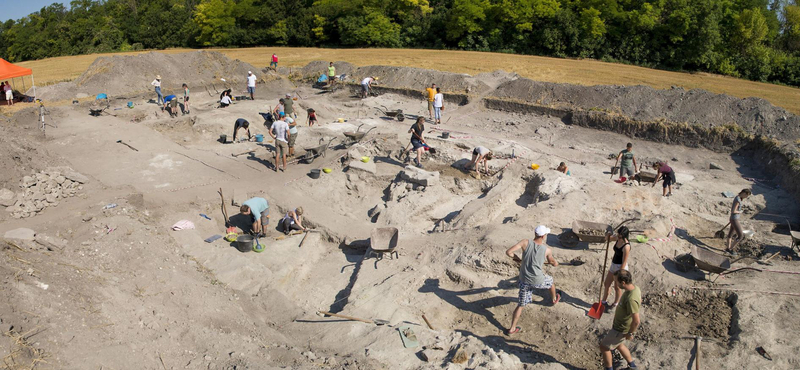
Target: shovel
x: 721, y: 233
x: 596, y: 312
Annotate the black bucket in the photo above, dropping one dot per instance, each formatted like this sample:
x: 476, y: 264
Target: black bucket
x: 244, y: 243
x: 445, y: 135
x: 223, y: 139
x: 314, y: 174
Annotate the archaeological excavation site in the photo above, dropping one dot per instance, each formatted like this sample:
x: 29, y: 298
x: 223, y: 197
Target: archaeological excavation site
x: 130, y: 241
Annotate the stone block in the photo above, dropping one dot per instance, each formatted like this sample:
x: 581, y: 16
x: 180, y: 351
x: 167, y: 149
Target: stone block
x: 20, y: 234
x: 369, y: 167
x: 420, y: 176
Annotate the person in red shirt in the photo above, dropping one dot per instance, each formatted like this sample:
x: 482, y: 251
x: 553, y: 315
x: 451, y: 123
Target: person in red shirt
x: 274, y: 62
x: 668, y: 174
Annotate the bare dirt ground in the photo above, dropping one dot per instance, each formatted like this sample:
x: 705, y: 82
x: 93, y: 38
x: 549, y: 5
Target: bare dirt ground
x: 115, y: 288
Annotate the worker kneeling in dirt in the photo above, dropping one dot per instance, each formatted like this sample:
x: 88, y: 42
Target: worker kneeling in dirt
x: 241, y: 123
x: 531, y: 273
x: 293, y: 220
x: 258, y: 210
x: 480, y: 154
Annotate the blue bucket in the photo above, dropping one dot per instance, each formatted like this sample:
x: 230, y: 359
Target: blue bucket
x: 259, y: 138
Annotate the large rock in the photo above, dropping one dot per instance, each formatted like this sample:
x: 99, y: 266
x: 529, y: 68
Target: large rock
x: 20, y: 234
x: 7, y: 198
x: 366, y: 167
x: 69, y: 174
x: 420, y: 176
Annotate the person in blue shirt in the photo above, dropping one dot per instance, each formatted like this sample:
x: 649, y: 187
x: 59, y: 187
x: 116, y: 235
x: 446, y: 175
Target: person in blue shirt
x: 258, y: 210
x: 171, y: 105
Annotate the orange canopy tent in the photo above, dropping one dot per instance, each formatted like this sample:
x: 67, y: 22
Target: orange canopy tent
x: 8, y: 70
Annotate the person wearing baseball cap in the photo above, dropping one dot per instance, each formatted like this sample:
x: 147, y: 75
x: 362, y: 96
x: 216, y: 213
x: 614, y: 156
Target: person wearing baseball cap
x: 531, y: 273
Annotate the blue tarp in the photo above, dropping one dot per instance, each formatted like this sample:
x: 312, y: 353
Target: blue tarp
x: 322, y: 78
x: 102, y: 96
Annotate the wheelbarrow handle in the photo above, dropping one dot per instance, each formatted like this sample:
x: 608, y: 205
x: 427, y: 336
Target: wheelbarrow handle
x: 625, y: 222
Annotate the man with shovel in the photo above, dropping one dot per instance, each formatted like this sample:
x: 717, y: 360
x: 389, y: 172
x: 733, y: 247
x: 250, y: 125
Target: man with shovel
x: 626, y: 321
x: 531, y: 275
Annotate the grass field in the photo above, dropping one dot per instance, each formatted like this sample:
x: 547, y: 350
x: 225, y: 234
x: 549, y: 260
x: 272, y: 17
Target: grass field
x: 584, y: 72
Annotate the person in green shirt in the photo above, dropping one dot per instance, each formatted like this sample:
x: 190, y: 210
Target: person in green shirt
x: 331, y: 73
x: 627, y: 162
x: 626, y: 321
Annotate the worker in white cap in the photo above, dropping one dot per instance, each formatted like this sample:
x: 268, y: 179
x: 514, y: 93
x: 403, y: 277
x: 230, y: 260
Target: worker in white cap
x: 251, y: 84
x: 293, y: 132
x: 531, y: 273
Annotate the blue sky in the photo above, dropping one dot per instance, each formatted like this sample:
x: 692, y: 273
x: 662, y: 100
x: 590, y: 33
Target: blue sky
x: 16, y: 9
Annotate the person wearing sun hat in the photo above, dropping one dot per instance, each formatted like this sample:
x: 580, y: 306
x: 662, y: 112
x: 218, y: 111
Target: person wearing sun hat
x: 157, y: 84
x: 531, y: 273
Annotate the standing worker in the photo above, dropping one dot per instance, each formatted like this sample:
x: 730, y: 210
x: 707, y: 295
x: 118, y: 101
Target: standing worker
x: 431, y: 94
x: 9, y: 92
x: 241, y: 123
x: 258, y: 210
x: 366, y: 86
x: 736, y: 211
x: 293, y: 220
x: 280, y: 132
x: 292, y: 134
x: 438, y: 106
x: 668, y: 174
x: 157, y: 84
x: 288, y: 106
x: 251, y: 85
x: 274, y: 63
x: 622, y: 250
x: 185, y: 99
x: 627, y: 165
x: 312, y: 117
x: 331, y: 73
x: 480, y: 154
x: 531, y: 274
x: 417, y: 141
x: 626, y: 321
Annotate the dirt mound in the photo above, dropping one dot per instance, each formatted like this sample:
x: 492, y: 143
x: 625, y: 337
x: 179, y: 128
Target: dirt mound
x: 409, y: 78
x: 125, y: 75
x: 644, y: 103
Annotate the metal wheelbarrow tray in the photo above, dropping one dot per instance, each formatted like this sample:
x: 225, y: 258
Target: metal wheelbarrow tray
x: 398, y: 114
x: 383, y: 240
x: 317, y: 151
x: 580, y: 229
x: 357, y: 135
x: 707, y: 260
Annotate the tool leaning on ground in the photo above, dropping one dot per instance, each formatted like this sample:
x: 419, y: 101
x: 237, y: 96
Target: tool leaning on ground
x: 126, y: 144
x: 596, y: 312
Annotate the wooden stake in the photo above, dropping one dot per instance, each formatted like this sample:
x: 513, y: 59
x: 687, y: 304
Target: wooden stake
x: 303, y: 241
x: 345, y: 317
x: 427, y: 322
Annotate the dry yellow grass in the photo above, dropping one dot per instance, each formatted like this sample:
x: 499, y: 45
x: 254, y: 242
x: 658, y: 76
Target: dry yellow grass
x: 584, y: 72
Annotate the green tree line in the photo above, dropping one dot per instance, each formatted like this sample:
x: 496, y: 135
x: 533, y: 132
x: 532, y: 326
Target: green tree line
x: 753, y: 39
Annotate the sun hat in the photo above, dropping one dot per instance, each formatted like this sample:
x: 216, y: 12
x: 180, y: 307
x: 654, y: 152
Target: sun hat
x: 283, y: 114
x: 249, y: 72
x: 288, y: 95
x: 542, y: 230
x: 158, y: 77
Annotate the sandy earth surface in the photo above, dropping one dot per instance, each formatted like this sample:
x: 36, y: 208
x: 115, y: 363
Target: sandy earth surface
x: 117, y: 289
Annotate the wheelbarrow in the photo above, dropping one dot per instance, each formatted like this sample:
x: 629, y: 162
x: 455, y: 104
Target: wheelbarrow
x: 383, y: 240
x: 358, y: 135
x: 397, y: 114
x: 317, y: 151
x: 715, y: 263
x: 795, y: 237
x: 590, y: 232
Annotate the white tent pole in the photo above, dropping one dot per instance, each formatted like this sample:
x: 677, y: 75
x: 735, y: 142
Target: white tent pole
x: 34, y: 87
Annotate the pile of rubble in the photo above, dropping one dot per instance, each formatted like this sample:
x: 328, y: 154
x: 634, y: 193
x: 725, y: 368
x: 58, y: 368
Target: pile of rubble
x: 41, y: 190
